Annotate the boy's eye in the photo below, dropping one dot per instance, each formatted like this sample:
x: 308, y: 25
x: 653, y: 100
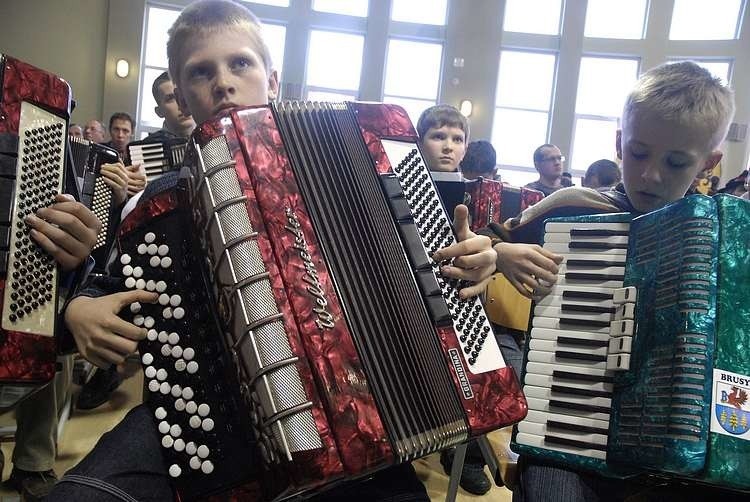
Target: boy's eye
x: 458, y: 139
x: 638, y: 155
x: 198, y: 72
x: 241, y: 63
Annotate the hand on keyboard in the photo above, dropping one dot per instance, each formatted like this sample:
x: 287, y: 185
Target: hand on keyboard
x: 473, y: 256
x: 102, y: 337
x: 531, y: 269
x: 66, y: 230
x: 116, y: 177
x: 136, y: 178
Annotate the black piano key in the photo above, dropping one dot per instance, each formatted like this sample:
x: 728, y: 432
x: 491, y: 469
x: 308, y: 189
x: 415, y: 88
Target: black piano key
x: 593, y: 309
x: 581, y: 342
x: 586, y: 295
x: 584, y: 322
x: 549, y: 438
x: 414, y: 247
x: 554, y: 424
x: 554, y: 403
x: 576, y: 391
x: 593, y: 263
x: 580, y: 356
x: 8, y: 144
x: 581, y: 377
x: 6, y: 200
x: 8, y: 166
x: 596, y: 245
x: 391, y: 187
x: 592, y: 276
x: 598, y: 232
x: 400, y: 209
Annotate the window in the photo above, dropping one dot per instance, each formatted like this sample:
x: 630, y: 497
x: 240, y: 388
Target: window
x: 603, y: 85
x: 705, y: 20
x: 533, y: 16
x: 278, y: 3
x: 275, y: 37
x: 347, y: 7
x: 607, y: 19
x: 334, y: 61
x: 412, y: 75
x: 419, y: 11
x: 524, y: 94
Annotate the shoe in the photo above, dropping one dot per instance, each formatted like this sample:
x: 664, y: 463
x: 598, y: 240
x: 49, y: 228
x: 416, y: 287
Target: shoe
x: 96, y: 391
x: 473, y: 478
x: 31, y: 484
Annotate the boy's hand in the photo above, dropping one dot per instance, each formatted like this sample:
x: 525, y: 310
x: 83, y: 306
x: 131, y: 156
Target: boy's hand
x: 116, y: 177
x: 529, y: 267
x: 102, y: 337
x: 136, y: 178
x: 474, y: 258
x: 66, y: 230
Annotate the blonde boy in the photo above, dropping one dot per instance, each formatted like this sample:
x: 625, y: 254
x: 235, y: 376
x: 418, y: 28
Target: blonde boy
x: 673, y: 123
x: 217, y: 60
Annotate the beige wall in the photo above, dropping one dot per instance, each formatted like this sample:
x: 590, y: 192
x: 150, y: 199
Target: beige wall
x: 65, y: 37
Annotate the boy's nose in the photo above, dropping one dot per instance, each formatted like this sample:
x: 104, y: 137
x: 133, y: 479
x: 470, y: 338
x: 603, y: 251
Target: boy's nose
x: 651, y: 173
x: 223, y: 83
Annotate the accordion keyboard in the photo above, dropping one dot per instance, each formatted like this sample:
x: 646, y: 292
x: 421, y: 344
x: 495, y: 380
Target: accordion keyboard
x: 158, y: 158
x: 30, y: 302
x: 581, y: 334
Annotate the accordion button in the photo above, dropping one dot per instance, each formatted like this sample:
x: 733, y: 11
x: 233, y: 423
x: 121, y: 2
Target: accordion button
x: 150, y: 372
x: 188, y: 393
x: 204, y: 410
x: 163, y: 337
x: 176, y: 391
x: 173, y: 338
x: 165, y: 388
x: 167, y: 441
x: 190, y: 448
x: 135, y: 307
x: 192, y: 367
x: 208, y: 425
x: 150, y: 285
x: 149, y: 237
x: 152, y: 335
x: 179, y: 404
x: 164, y: 427
x: 155, y: 261
x: 127, y: 270
x: 175, y: 300
x: 140, y: 284
x: 161, y: 375
x: 142, y: 249
x: 195, y: 463
x: 175, y: 471
x: 175, y: 431
x: 179, y: 444
x: 180, y: 365
x: 166, y: 313
x: 191, y: 407
x: 152, y: 249
x: 138, y: 320
x: 160, y: 413
x: 164, y: 299
x: 148, y: 322
x: 166, y: 262
x: 161, y: 287
x: 178, y: 313
x: 195, y: 422
x: 176, y: 351
x: 207, y: 467
x: 130, y: 283
x: 166, y: 350
x: 188, y: 354
x: 203, y: 451
x: 163, y: 250
x: 137, y: 272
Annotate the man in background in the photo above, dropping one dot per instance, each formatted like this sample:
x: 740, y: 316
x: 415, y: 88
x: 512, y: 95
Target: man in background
x: 548, y: 162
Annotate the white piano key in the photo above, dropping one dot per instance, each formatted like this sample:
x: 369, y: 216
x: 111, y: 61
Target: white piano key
x: 548, y: 394
x: 542, y: 429
x: 618, y: 362
x: 554, y: 334
x: 544, y: 406
x: 566, y: 227
x: 554, y: 323
x: 621, y: 344
x: 553, y: 346
x: 538, y: 441
x: 541, y: 417
x: 564, y: 248
x: 628, y: 294
x: 551, y: 358
x: 548, y: 380
x: 624, y: 311
x: 552, y: 311
x: 558, y: 290
x: 565, y: 281
x: 557, y: 300
x: 622, y: 328
x: 566, y: 237
x: 592, y: 259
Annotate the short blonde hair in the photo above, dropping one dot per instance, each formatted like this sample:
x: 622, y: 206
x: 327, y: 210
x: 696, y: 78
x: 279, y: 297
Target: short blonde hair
x: 208, y: 16
x: 687, y: 94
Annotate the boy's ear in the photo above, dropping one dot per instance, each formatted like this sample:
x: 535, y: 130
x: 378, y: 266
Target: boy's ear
x: 158, y: 111
x: 184, y: 108
x: 618, y: 143
x: 273, y: 86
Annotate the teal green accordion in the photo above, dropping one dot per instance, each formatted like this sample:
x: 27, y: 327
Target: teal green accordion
x: 639, y: 359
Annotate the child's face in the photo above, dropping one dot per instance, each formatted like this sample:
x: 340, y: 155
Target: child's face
x: 444, y: 148
x: 221, y: 70
x: 660, y: 159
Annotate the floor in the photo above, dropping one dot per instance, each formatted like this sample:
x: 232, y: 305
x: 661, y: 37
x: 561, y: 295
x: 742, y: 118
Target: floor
x: 84, y: 428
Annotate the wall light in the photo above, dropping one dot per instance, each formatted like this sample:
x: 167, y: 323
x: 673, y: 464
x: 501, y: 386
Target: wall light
x: 466, y: 107
x: 123, y: 68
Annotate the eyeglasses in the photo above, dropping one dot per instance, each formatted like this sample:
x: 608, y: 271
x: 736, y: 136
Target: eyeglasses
x: 560, y: 158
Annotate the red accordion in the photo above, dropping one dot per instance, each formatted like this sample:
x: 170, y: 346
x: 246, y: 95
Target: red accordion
x: 315, y: 224
x: 34, y: 110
